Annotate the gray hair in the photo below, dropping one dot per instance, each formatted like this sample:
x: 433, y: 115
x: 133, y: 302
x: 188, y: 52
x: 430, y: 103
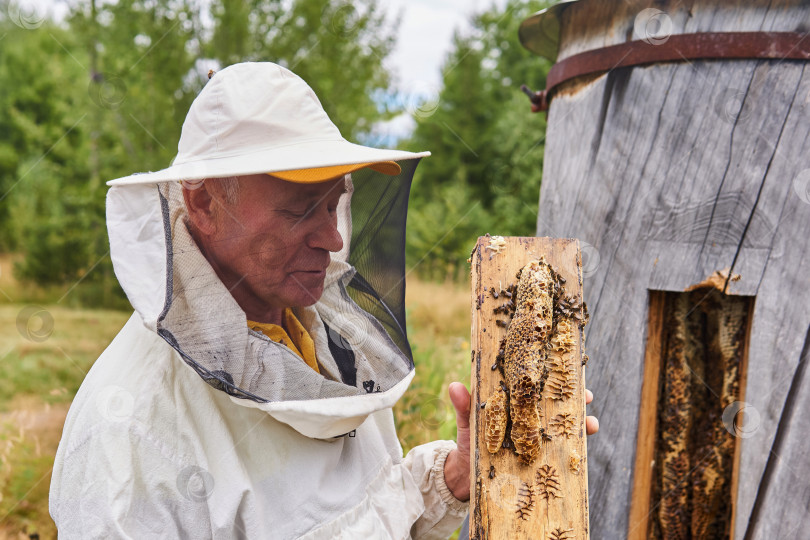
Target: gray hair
x: 231, y: 186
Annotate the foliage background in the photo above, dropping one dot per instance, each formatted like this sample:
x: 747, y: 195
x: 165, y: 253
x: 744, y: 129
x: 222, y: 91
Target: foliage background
x: 103, y: 93
x: 109, y: 86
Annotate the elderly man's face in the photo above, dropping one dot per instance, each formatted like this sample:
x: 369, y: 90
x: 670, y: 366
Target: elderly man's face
x: 270, y: 247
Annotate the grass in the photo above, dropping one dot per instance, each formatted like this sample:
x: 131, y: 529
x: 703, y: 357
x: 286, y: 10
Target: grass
x: 439, y: 333
x: 46, y: 350
x: 45, y: 353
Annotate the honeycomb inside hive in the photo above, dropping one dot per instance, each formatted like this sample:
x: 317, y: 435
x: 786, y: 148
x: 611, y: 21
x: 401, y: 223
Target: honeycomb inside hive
x: 703, y: 341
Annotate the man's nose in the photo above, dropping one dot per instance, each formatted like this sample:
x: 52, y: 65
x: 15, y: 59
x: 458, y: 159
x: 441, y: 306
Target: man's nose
x: 325, y: 235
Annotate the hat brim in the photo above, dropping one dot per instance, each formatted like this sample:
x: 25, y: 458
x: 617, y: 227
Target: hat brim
x: 322, y: 174
x: 307, y: 155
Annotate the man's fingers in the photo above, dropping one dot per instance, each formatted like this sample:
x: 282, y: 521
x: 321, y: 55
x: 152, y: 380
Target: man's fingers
x: 591, y: 425
x: 591, y: 422
x: 460, y: 398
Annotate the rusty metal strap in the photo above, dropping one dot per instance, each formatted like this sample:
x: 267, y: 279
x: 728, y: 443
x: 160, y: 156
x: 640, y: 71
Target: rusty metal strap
x: 677, y: 48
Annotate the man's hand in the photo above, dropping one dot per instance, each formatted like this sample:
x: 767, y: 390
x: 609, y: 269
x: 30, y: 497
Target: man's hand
x: 591, y: 422
x: 457, y: 465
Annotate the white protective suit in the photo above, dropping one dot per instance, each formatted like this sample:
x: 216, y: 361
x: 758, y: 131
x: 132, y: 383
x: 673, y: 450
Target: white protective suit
x: 190, y: 425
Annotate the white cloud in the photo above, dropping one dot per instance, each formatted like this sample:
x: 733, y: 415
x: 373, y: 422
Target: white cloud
x: 390, y: 132
x: 425, y: 36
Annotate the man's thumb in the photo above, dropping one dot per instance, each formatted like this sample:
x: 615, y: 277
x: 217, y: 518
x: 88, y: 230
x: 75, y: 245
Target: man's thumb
x: 460, y: 398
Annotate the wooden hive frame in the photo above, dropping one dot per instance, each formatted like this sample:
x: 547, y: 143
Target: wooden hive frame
x: 547, y: 498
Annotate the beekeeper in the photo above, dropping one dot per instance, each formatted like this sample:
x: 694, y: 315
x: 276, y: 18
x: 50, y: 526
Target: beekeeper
x: 268, y: 262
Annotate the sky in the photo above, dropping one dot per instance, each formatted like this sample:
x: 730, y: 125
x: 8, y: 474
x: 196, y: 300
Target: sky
x: 425, y: 32
x: 424, y: 39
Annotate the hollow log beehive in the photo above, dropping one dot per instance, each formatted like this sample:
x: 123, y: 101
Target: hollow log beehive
x: 687, y: 158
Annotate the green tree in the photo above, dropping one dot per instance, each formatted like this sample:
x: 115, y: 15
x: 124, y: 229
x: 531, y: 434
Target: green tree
x: 98, y: 102
x: 484, y: 174
x: 338, y: 47
x: 46, y: 209
x: 109, y: 89
x: 40, y: 123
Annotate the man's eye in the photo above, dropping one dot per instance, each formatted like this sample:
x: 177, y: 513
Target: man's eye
x: 292, y: 214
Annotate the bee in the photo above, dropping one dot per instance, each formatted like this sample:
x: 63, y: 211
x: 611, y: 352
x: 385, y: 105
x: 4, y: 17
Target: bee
x: 491, y: 472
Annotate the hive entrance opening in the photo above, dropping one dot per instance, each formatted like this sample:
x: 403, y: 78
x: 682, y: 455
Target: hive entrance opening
x: 685, y: 474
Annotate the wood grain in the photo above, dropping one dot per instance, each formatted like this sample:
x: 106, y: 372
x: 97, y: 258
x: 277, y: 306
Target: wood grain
x: 547, y: 499
x: 645, y: 446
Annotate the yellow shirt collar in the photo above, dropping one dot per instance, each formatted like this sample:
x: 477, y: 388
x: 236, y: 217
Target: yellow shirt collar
x: 295, y: 337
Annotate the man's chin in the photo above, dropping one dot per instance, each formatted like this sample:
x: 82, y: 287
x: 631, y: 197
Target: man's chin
x: 309, y: 290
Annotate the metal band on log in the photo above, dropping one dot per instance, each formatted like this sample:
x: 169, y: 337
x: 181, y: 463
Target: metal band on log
x: 676, y: 48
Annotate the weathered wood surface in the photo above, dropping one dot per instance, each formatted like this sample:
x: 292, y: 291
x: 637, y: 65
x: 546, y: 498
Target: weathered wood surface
x: 548, y: 498
x: 667, y: 173
x: 781, y: 509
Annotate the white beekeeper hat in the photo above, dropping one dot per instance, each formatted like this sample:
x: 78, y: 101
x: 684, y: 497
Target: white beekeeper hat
x: 258, y: 117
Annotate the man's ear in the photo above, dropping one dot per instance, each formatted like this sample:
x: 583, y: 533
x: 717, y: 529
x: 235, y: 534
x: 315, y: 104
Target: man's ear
x: 200, y: 206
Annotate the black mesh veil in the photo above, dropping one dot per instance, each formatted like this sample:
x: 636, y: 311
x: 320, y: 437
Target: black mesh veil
x: 357, y: 325
x: 379, y: 211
